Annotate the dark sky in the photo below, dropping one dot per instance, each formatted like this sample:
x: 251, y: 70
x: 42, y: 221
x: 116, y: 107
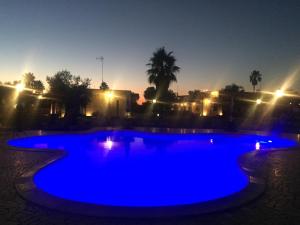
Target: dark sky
x: 215, y: 42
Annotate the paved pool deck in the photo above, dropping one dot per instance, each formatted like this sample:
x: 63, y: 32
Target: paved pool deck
x: 279, y: 205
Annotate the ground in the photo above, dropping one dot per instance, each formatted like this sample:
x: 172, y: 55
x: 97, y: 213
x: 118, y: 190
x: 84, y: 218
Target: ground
x: 279, y: 205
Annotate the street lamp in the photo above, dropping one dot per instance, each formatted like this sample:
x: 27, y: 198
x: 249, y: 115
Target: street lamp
x: 279, y: 93
x: 258, y: 101
x: 20, y: 87
x: 109, y: 95
x: 154, y: 101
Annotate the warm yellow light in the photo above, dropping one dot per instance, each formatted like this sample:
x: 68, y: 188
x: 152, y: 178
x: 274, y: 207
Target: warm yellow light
x: 20, y: 87
x: 44, y: 92
x: 258, y: 101
x: 194, y: 103
x: 33, y: 91
x: 181, y: 104
x: 214, y: 94
x: 207, y: 101
x: 109, y: 95
x: 220, y: 113
x: 40, y: 97
x: 204, y: 113
x: 185, y: 104
x: 88, y: 114
x: 279, y: 93
x: 154, y: 101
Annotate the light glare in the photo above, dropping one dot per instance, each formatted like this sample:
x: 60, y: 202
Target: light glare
x: 20, y: 87
x: 258, y: 101
x: 279, y: 93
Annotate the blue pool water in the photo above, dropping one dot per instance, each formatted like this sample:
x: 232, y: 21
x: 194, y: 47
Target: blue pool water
x: 130, y: 168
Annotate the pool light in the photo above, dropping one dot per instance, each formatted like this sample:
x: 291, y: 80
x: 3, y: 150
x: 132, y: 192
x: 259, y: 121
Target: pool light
x: 257, y: 146
x: 108, y: 144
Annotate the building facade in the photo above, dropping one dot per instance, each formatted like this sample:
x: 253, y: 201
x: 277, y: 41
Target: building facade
x: 111, y: 103
x: 204, y: 104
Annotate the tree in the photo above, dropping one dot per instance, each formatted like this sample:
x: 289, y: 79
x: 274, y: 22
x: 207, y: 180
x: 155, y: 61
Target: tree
x: 38, y: 85
x: 230, y: 92
x: 104, y: 86
x: 71, y: 90
x: 194, y: 95
x: 31, y: 83
x: 170, y: 96
x: 162, y: 71
x: 28, y: 79
x: 232, y: 89
x: 255, y: 78
x: 150, y: 93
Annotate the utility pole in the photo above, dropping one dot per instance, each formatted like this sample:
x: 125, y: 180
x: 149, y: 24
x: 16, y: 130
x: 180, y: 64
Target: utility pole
x: 101, y: 60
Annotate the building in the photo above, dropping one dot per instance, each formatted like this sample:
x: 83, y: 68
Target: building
x: 206, y: 103
x: 111, y: 103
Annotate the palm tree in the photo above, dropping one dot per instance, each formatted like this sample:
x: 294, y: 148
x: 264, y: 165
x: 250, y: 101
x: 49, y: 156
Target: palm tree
x: 255, y: 77
x: 162, y: 71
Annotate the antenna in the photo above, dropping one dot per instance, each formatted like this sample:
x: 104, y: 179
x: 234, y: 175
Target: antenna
x: 101, y: 60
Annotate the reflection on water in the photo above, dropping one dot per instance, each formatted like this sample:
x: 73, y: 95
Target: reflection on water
x: 257, y: 146
x: 108, y: 144
x: 127, y: 168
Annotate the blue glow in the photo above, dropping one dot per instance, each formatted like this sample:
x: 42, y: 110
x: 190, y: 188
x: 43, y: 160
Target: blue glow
x: 129, y: 168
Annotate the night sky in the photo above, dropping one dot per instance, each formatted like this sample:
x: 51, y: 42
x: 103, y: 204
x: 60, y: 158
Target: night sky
x: 215, y: 42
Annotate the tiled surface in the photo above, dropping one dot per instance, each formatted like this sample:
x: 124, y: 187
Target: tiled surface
x: 279, y: 205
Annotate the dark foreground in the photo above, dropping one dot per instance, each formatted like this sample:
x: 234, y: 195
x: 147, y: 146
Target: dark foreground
x: 279, y: 205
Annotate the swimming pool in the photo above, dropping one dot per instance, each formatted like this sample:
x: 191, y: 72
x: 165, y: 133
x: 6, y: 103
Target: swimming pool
x: 142, y: 169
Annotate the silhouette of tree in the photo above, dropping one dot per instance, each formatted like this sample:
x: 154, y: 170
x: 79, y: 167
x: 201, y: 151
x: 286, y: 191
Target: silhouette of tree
x: 30, y: 82
x: 255, y: 78
x: 28, y: 79
x: 150, y: 93
x: 38, y: 85
x: 231, y: 92
x: 232, y: 89
x: 194, y: 95
x: 71, y: 90
x: 170, y: 96
x: 104, y: 86
x: 162, y: 71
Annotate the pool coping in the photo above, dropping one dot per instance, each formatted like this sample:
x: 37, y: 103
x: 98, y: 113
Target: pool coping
x: 27, y: 189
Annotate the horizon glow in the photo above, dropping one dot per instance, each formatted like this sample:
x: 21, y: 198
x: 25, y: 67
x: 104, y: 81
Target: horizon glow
x: 215, y: 43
